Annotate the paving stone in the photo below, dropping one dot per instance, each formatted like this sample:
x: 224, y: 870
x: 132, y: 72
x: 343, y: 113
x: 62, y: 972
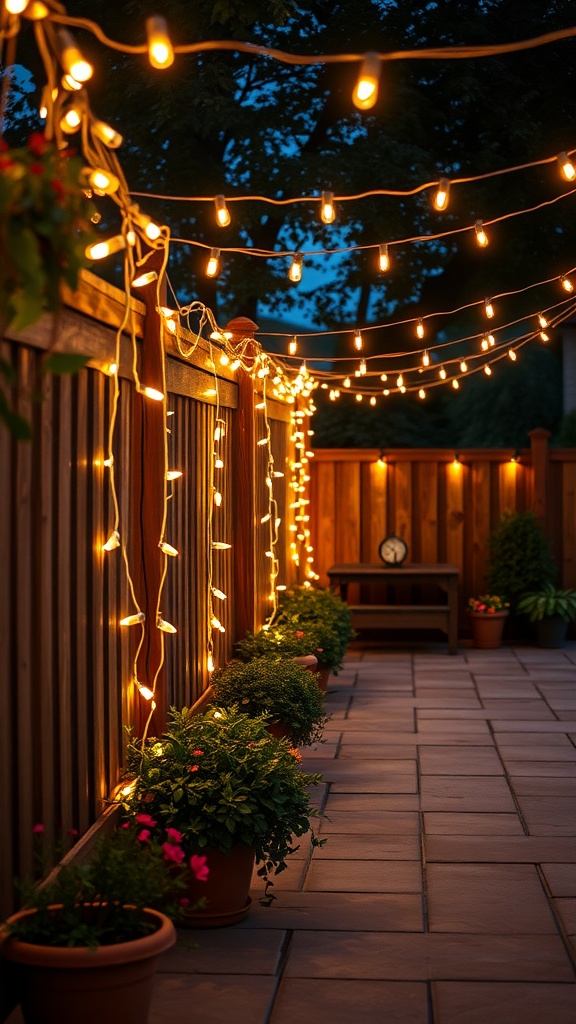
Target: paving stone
x: 567, y: 911
x: 499, y: 849
x: 213, y: 950
x: 550, y: 815
x: 520, y: 709
x: 438, y: 823
x: 339, y: 911
x: 339, y: 770
x: 464, y: 700
x: 380, y: 847
x: 180, y: 998
x: 566, y: 716
x: 363, y: 876
x: 561, y: 878
x: 560, y: 769
x: 531, y: 727
x: 466, y: 793
x: 457, y: 1002
x: 372, y: 802
x: 537, y: 752
x: 448, y: 760
x: 545, y: 785
x: 339, y: 1002
x: 493, y: 899
x: 505, y: 686
x: 465, y: 725
x: 426, y: 677
x: 538, y: 738
x: 369, y: 751
x: 353, y: 733
x: 292, y: 878
x: 357, y: 822
x: 526, y: 958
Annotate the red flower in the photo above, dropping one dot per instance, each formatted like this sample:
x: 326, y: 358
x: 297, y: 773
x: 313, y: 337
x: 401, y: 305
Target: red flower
x: 193, y: 768
x: 173, y: 853
x: 197, y: 753
x: 199, y: 867
x: 58, y: 188
x: 299, y: 633
x: 6, y: 163
x: 36, y: 168
x: 37, y: 143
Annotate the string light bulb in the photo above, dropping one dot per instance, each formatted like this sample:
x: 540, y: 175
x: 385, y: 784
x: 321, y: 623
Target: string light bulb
x: 143, y: 279
x: 145, y: 691
x: 463, y: 366
x: 160, y: 52
x: 99, y: 250
x: 442, y: 373
x: 488, y: 370
x: 544, y: 336
x: 166, y: 627
x: 488, y: 308
x: 213, y: 265
x: 373, y: 400
x: 223, y: 217
x: 512, y: 355
x: 358, y: 343
x: 481, y: 236
x: 420, y: 329
x: 108, y: 135
x: 383, y: 258
x: 327, y: 211
x: 295, y: 269
x: 16, y: 6
x: 455, y: 384
x: 168, y: 549
x: 36, y: 10
x: 112, y: 542
x: 72, y: 61
x: 566, y: 167
x: 293, y: 346
x: 365, y: 91
x: 421, y: 393
x: 442, y: 194
x: 133, y: 620
x: 425, y: 358
x: 71, y: 119
x: 567, y: 284
x: 153, y: 393
x: 542, y: 320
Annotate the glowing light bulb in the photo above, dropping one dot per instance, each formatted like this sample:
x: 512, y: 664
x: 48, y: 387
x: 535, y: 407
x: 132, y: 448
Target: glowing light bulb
x: 219, y: 594
x: 15, y: 6
x: 455, y: 384
x: 399, y: 381
x: 481, y: 236
x: 421, y: 393
x: 210, y: 667
x: 488, y: 308
x: 442, y: 195
x: 153, y: 393
x: 373, y: 400
x: 133, y: 620
x: 112, y: 542
x: 463, y: 366
x: 151, y: 229
x: 293, y: 346
x: 220, y: 545
x: 383, y: 258
x: 359, y: 397
x: 213, y: 265
x: 512, y: 355
x: 425, y: 358
x: 173, y: 474
x: 488, y: 371
x: 166, y: 627
x: 542, y: 320
x: 72, y: 61
x: 217, y: 498
x: 295, y: 269
x: 442, y: 373
x: 358, y: 341
x: 347, y: 382
x: 168, y: 549
x: 160, y: 52
x: 147, y: 278
x: 327, y: 211
x: 362, y: 368
x: 70, y: 84
x: 99, y: 250
x: 567, y: 284
x: 384, y: 376
x: 544, y: 336
x: 223, y: 217
x: 103, y: 180
x: 567, y: 167
x: 366, y: 89
x: 35, y: 10
x: 145, y: 691
x: 71, y: 120
x: 108, y: 135
x: 420, y: 329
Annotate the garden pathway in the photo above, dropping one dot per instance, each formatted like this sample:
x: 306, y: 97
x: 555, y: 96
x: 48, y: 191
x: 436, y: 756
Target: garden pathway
x: 446, y: 893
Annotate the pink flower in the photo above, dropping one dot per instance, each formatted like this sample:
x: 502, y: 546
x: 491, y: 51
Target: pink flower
x: 197, y: 753
x: 145, y: 819
x: 173, y: 853
x: 37, y: 829
x: 174, y: 834
x: 199, y: 867
x: 126, y: 824
x: 144, y: 835
x: 184, y: 902
x: 72, y: 832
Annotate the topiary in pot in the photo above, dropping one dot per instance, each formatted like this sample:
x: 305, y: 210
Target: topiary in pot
x: 284, y: 690
x: 519, y: 557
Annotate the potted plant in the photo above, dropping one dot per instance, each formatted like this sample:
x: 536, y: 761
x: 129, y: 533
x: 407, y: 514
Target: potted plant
x: 86, y: 944
x: 519, y: 558
x: 233, y: 792
x: 304, y: 607
x: 487, y: 614
x: 283, y: 690
x: 550, y: 610
x: 283, y: 641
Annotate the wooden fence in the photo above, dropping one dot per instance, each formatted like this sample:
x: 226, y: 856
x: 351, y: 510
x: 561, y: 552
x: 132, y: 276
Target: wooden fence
x: 443, y: 503
x: 66, y: 669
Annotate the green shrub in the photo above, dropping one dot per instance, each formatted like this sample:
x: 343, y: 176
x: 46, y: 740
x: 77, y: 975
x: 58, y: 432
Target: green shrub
x: 548, y: 603
x: 519, y: 556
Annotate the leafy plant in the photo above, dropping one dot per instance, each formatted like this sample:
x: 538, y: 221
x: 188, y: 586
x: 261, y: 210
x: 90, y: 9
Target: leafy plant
x: 519, y: 556
x: 221, y: 779
x: 549, y: 602
x: 329, y: 616
x: 283, y: 690
x: 101, y: 902
x: 280, y: 641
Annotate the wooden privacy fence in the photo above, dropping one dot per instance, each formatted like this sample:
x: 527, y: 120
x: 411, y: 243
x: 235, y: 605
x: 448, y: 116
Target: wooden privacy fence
x: 444, y: 504
x: 66, y: 668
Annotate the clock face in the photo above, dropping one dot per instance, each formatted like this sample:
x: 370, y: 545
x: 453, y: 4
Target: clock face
x: 393, y: 550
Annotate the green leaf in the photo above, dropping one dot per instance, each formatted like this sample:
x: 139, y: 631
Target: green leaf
x: 64, y: 362
x: 177, y: 795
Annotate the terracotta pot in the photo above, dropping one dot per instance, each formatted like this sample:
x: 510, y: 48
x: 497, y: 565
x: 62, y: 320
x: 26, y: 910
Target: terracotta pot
x: 225, y: 890
x: 323, y: 677
x: 280, y: 731
x: 61, y: 985
x: 487, y: 628
x: 309, y: 661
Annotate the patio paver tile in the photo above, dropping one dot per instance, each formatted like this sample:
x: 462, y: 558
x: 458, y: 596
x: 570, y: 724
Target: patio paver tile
x: 339, y: 1002
x: 490, y: 898
x: 357, y: 822
x: 215, y: 949
x: 442, y: 823
x: 379, y: 847
x: 339, y: 911
x: 503, y: 1003
x: 448, y: 760
x: 516, y: 849
x: 466, y: 793
x: 363, y: 876
x: 561, y: 878
x: 179, y: 998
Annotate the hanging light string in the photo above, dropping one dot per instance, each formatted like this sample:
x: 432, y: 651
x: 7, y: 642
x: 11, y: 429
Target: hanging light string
x: 214, y: 487
x: 430, y: 53
x: 394, y: 243
x: 271, y: 518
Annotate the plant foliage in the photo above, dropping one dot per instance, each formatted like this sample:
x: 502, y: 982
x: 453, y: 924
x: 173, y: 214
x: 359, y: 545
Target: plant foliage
x: 549, y: 602
x: 284, y: 690
x: 519, y: 557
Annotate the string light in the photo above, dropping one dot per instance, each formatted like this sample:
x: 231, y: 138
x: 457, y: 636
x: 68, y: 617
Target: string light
x: 103, y: 181
x: 213, y: 265
x: 168, y: 549
x: 293, y: 346
x: 327, y: 211
x: 223, y: 217
x: 72, y: 61
x: 36, y: 10
x: 542, y: 320
x: 455, y: 384
x: 112, y: 542
x: 16, y: 6
x: 295, y: 269
x: 512, y: 355
x: 383, y: 258
x: 145, y: 691
x: 442, y: 373
x: 420, y: 329
x: 567, y: 167
x: 173, y: 474
x: 362, y: 368
x: 71, y: 119
x: 358, y: 343
x: 153, y: 393
x: 133, y: 620
x: 544, y: 336
x: 488, y: 370
x: 442, y: 194
x: 165, y: 627
x: 99, y: 250
x: 463, y: 366
x: 70, y: 84
x: 365, y: 91
x: 481, y: 236
x: 373, y: 400
x: 425, y: 358
x: 488, y: 308
x: 143, y: 279
x: 160, y: 52
x: 567, y: 284
x: 108, y: 135
x: 421, y: 393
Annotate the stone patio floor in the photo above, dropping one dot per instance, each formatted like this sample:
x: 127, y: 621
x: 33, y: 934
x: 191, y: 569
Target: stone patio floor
x: 446, y: 893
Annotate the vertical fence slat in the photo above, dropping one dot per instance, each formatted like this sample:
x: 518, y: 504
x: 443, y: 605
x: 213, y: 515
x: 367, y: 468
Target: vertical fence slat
x: 378, y: 507
x: 67, y: 730
x: 8, y: 794
x: 569, y: 524
x: 455, y: 515
x: 44, y: 649
x: 323, y: 503
x: 428, y: 511
x: 94, y: 535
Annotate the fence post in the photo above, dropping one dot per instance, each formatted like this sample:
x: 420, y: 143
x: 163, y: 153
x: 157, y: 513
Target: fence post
x: 147, y: 502
x: 244, y: 455
x: 539, y: 454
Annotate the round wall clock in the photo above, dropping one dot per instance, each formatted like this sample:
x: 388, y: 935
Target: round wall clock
x: 393, y: 550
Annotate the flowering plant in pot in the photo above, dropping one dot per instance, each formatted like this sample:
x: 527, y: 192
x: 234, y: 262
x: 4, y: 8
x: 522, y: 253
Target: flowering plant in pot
x: 93, y: 930
x: 488, y: 604
x: 329, y: 616
x: 282, y: 689
x: 233, y: 792
x: 486, y: 615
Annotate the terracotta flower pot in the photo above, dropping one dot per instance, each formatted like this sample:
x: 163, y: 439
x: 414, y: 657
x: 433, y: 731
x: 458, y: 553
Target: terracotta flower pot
x: 487, y: 628
x: 225, y: 890
x: 62, y: 985
x: 323, y: 677
x: 280, y: 731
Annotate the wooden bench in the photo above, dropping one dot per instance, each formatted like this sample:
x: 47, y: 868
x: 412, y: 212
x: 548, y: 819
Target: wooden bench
x: 402, y: 616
